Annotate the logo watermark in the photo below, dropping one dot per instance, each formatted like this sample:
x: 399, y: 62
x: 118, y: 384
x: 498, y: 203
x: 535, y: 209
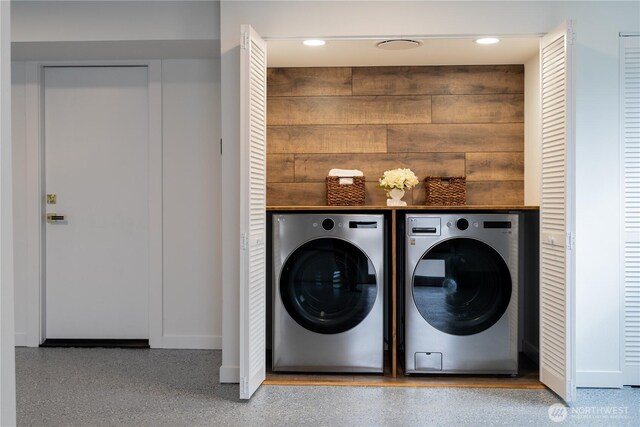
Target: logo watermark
x: 558, y: 412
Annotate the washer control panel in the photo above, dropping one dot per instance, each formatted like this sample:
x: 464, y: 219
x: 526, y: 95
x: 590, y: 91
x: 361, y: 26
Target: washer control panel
x: 328, y: 224
x: 462, y: 224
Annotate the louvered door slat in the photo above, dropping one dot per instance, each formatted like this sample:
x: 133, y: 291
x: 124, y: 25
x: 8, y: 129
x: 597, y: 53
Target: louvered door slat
x: 630, y: 177
x: 252, y: 212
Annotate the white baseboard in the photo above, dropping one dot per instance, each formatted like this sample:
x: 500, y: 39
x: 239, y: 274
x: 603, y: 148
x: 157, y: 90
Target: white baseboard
x: 599, y: 379
x: 531, y: 351
x: 230, y: 374
x: 192, y: 342
x: 21, y: 339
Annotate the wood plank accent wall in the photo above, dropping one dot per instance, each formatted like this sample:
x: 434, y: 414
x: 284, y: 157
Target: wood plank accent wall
x: 441, y: 120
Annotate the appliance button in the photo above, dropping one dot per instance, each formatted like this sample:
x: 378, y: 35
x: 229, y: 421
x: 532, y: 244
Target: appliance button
x: 462, y: 224
x: 328, y: 224
x: 449, y: 224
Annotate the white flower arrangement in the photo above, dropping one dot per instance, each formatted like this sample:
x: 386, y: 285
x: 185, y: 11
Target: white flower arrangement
x: 402, y: 179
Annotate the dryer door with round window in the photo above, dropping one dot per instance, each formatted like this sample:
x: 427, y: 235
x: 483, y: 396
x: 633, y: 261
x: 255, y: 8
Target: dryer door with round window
x: 328, y: 285
x: 461, y: 286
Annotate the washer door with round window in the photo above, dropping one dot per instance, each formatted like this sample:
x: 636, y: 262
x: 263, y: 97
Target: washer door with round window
x: 461, y: 286
x: 328, y: 285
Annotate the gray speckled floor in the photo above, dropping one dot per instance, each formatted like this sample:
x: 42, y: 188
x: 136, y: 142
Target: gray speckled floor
x: 98, y: 387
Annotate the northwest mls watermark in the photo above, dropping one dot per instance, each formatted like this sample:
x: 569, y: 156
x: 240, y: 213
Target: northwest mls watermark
x: 558, y: 412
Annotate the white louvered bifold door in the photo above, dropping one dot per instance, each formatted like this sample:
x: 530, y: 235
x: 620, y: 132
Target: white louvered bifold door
x: 630, y: 168
x: 253, y: 136
x: 557, y: 368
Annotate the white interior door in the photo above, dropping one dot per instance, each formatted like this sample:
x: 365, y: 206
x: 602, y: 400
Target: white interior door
x: 96, y: 139
x: 253, y: 113
x: 630, y: 162
x: 557, y: 236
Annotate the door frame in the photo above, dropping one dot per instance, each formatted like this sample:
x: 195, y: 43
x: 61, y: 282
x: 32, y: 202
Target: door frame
x: 226, y: 371
x: 36, y: 244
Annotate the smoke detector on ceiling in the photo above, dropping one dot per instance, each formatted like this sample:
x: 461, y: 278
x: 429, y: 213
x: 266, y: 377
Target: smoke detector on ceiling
x: 398, y: 44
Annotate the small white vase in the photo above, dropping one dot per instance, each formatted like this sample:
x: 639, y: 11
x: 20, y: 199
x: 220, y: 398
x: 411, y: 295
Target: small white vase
x: 395, y: 197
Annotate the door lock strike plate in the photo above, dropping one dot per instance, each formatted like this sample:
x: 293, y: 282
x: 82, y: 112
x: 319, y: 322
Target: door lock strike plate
x: 53, y: 218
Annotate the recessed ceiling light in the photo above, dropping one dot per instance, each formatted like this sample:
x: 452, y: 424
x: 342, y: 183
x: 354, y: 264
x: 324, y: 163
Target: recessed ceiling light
x: 487, y: 40
x: 314, y: 42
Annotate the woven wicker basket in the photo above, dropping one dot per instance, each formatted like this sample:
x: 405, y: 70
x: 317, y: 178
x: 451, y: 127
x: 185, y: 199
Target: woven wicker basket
x: 446, y: 190
x: 345, y: 194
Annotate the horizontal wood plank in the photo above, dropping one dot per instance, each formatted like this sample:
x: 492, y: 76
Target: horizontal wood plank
x: 440, y: 80
x: 452, y: 381
x: 478, y: 108
x: 497, y: 384
x: 456, y: 137
x: 315, y: 167
x: 494, y: 166
x: 487, y: 193
x: 369, y: 208
x: 280, y: 168
x: 329, y: 81
x: 348, y: 110
x: 495, y: 193
x: 327, y: 139
x: 315, y: 194
x: 296, y: 194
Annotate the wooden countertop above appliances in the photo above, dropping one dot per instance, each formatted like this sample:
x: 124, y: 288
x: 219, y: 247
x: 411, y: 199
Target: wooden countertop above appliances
x: 406, y: 208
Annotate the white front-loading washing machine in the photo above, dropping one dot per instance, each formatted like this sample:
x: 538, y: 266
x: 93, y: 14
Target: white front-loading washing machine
x: 461, y: 285
x: 328, y: 287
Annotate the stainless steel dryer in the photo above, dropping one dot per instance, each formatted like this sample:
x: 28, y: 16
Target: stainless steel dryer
x: 461, y: 293
x: 328, y: 287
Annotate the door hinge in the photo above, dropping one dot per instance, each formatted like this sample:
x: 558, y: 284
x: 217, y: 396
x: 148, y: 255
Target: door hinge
x: 571, y: 393
x: 245, y: 40
x: 571, y: 36
x: 244, y: 241
x: 571, y: 241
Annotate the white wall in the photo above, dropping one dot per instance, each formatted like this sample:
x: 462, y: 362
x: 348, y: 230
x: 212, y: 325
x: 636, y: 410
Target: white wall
x: 597, y: 24
x: 20, y: 201
x: 191, y: 199
x: 18, y: 118
x: 532, y: 132
x: 192, y: 292
x: 54, y: 20
x: 7, y: 353
x: 121, y: 30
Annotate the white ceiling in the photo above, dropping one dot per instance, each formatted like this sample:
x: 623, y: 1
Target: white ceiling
x: 453, y: 51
